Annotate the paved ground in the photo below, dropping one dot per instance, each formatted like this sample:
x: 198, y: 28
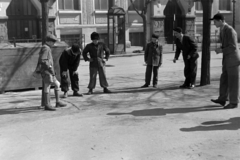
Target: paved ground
x: 166, y: 123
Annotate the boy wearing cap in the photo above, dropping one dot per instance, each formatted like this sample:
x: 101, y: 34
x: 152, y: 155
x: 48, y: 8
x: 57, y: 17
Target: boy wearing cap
x: 45, y: 67
x: 190, y: 55
x: 96, y: 57
x: 229, y: 80
x: 153, y: 60
x: 69, y: 61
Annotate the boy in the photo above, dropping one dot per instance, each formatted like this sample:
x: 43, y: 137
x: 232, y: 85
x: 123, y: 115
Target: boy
x: 45, y: 67
x: 96, y: 52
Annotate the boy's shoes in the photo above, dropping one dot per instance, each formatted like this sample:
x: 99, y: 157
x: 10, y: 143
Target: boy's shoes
x: 65, y: 95
x: 90, y: 92
x: 76, y: 94
x: 154, y: 86
x: 144, y: 86
x: 60, y: 104
x: 191, y: 86
x: 218, y: 101
x: 105, y: 90
x: 231, y: 106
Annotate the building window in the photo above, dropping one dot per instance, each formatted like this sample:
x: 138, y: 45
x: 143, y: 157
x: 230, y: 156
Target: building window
x: 139, y: 4
x: 69, y: 4
x: 198, y: 6
x: 101, y: 5
x: 225, y: 5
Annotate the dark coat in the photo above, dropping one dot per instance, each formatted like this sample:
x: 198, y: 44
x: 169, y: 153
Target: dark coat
x: 97, y: 53
x: 68, y: 60
x: 153, y: 54
x: 231, y: 54
x: 188, y: 47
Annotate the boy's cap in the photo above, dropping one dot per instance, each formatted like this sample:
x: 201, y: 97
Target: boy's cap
x: 178, y: 29
x: 155, y: 36
x: 51, y: 37
x: 218, y: 17
x: 75, y: 48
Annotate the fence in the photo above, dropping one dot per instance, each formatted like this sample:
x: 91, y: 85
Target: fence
x: 69, y: 41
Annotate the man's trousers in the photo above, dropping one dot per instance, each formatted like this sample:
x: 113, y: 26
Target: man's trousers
x: 229, y: 84
x: 190, y: 71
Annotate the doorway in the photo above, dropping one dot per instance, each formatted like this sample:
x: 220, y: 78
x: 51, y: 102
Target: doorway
x: 173, y: 18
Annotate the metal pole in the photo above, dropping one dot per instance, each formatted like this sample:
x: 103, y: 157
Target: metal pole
x: 233, y: 22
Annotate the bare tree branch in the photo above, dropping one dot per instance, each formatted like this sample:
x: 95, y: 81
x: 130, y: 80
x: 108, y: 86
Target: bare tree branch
x: 134, y: 7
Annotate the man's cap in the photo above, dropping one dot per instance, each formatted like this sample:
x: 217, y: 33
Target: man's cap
x: 51, y: 37
x: 178, y: 29
x: 75, y: 47
x: 155, y: 36
x: 94, y: 36
x: 218, y: 17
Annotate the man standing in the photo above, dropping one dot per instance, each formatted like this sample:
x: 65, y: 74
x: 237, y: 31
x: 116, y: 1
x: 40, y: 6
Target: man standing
x: 45, y: 67
x: 96, y: 52
x: 153, y: 60
x: 229, y: 80
x: 70, y: 60
x: 190, y: 55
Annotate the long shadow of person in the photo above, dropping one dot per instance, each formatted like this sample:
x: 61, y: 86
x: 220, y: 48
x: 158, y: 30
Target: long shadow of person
x: 19, y: 110
x: 230, y: 124
x: 163, y: 111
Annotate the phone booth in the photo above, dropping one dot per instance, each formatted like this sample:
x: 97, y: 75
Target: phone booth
x: 116, y: 30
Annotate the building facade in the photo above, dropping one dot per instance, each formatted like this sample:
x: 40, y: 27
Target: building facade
x: 70, y: 18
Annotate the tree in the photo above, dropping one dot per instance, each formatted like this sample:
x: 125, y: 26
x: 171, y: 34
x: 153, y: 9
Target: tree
x: 206, y: 53
x: 143, y: 14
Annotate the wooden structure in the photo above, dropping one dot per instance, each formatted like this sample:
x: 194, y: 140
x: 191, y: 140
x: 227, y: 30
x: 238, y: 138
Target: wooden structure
x: 18, y: 64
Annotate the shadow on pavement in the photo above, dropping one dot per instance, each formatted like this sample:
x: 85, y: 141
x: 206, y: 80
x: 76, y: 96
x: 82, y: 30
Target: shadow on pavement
x: 230, y: 124
x: 163, y: 111
x: 19, y: 110
x: 139, y: 89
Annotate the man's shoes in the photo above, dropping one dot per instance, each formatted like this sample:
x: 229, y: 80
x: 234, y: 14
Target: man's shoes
x: 154, y: 86
x: 230, y: 106
x: 191, y: 86
x: 76, y: 94
x: 90, y: 91
x: 65, y: 95
x: 184, y: 86
x: 144, y: 86
x: 60, y: 104
x: 105, y: 90
x: 219, y: 102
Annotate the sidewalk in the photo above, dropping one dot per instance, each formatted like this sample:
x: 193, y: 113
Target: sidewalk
x: 132, y: 123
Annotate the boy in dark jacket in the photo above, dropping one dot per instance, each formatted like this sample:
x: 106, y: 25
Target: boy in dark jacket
x: 153, y: 60
x: 69, y: 61
x: 96, y: 57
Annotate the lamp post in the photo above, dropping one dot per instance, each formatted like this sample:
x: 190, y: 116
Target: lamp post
x: 233, y: 22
